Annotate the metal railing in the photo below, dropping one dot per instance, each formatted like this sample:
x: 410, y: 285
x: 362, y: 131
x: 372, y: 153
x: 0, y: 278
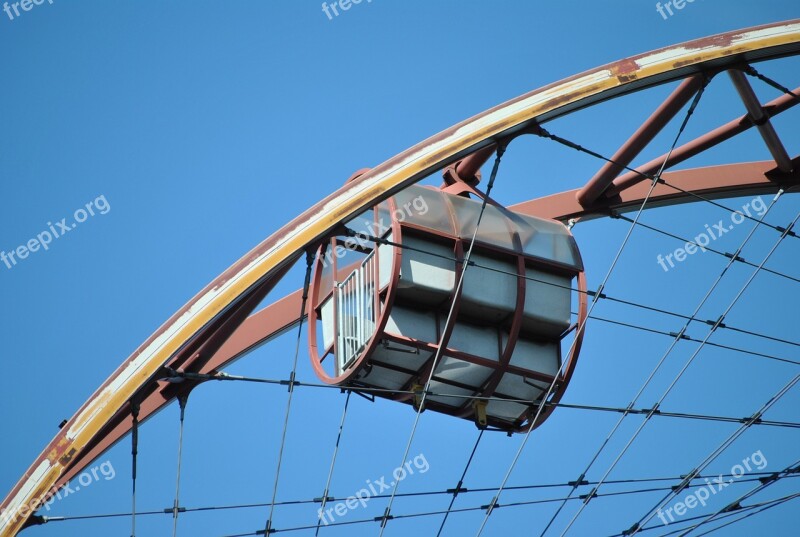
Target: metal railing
x: 355, y: 311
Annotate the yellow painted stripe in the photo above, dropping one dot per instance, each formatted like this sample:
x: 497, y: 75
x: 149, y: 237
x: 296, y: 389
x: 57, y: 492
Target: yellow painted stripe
x: 348, y: 202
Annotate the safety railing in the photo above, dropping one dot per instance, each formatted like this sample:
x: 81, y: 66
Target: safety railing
x: 355, y: 311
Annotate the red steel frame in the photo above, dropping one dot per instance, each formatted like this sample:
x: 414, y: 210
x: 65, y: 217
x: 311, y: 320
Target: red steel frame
x: 236, y: 332
x: 725, y: 181
x: 385, y: 305
x: 715, y: 182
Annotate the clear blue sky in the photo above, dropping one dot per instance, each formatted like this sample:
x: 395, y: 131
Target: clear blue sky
x: 203, y: 127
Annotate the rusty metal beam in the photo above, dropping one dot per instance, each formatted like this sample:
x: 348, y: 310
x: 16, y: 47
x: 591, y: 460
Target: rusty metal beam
x: 468, y: 169
x: 714, y: 182
x: 761, y: 120
x: 194, y: 358
x: 698, y: 145
x: 257, y: 329
x: 199, y: 318
x: 639, y: 140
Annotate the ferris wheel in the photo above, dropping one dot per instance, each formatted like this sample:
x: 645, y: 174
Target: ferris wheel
x: 419, y: 290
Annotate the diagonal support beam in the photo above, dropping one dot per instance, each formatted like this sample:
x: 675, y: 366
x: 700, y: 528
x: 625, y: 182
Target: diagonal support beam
x: 761, y: 120
x: 639, y: 140
x: 698, y: 145
x: 713, y: 182
x: 257, y: 329
x: 468, y: 168
x: 262, y: 264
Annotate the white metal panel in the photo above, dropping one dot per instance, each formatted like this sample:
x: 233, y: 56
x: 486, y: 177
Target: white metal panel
x: 462, y: 372
x: 382, y: 377
x: 489, y: 294
x: 547, y: 303
x: 540, y: 356
x: 518, y: 387
x: 328, y: 331
x: 400, y: 355
x: 494, y: 226
x: 414, y: 324
x: 446, y: 389
x: 424, y: 207
x: 505, y: 410
x: 385, y: 262
x: 428, y: 277
x: 476, y: 340
x: 548, y: 239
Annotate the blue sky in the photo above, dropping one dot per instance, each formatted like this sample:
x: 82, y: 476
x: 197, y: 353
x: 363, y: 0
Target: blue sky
x: 206, y: 126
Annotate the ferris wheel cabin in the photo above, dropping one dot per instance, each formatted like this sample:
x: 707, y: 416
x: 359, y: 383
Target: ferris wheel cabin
x: 381, y: 294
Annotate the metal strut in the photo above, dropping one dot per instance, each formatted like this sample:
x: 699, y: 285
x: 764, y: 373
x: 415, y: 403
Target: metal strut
x: 134, y: 454
x: 501, y: 149
x: 309, y: 261
x: 182, y: 399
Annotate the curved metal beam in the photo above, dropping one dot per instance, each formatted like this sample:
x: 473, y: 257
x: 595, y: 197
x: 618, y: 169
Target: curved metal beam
x: 256, y: 330
x: 715, y: 182
x: 263, y: 266
x: 639, y: 140
x: 701, y: 144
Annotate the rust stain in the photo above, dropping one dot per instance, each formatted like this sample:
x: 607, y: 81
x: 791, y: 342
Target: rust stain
x: 721, y: 40
x: 59, y: 449
x: 702, y: 58
x: 624, y: 79
x: 65, y: 451
x: 625, y: 67
x: 691, y: 61
x: 64, y: 460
